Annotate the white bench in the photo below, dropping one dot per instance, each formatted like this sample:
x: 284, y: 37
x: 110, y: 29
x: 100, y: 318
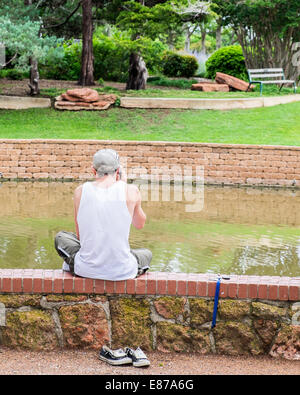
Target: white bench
x: 268, y: 76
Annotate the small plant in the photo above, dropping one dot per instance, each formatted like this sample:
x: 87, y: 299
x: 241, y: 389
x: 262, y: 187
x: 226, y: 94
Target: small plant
x: 118, y: 102
x: 100, y: 81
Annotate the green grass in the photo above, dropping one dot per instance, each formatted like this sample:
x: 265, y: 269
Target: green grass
x: 179, y: 93
x: 269, y: 125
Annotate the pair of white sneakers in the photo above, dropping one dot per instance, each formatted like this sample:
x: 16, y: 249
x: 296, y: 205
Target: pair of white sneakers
x: 123, y: 357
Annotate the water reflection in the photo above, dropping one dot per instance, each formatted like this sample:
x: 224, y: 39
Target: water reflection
x: 240, y: 230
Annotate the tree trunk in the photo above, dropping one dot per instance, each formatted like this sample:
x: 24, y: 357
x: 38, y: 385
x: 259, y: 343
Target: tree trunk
x: 34, y: 78
x: 203, y: 38
x: 138, y: 73
x: 87, y: 57
x: 34, y: 71
x: 262, y: 48
x: 219, y: 34
x: 187, y: 43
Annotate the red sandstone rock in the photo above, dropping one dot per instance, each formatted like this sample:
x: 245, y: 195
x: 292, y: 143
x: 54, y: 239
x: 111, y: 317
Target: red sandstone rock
x: 83, y: 104
x: 65, y: 96
x: 84, y: 99
x: 233, y: 82
x: 210, y: 87
x: 83, y: 94
x: 101, y: 103
x: 77, y: 106
x: 111, y: 98
x: 64, y: 103
x: 287, y: 343
x: 84, y: 326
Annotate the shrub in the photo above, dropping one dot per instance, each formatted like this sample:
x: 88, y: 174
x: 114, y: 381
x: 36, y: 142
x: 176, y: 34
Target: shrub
x: 67, y: 68
x: 229, y: 60
x: 180, y: 83
x: 13, y: 74
x: 112, y: 54
x: 176, y: 65
x: 111, y: 58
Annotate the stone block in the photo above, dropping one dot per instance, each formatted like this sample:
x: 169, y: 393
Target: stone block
x: 33, y: 330
x: 233, y: 82
x: 207, y: 87
x: 84, y: 326
x: 23, y: 103
x: 131, y: 323
x: 170, y: 308
x: 233, y: 309
x: 178, y: 338
x: 201, y: 311
x: 287, y: 343
x: 236, y: 338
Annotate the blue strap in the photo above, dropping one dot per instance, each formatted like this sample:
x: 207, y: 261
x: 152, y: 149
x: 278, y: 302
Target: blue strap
x: 217, y: 292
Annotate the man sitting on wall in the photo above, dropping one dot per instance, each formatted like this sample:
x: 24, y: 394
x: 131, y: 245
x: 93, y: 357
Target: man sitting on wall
x: 104, y: 211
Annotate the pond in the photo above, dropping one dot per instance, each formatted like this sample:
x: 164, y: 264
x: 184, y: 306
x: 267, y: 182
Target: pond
x: 247, y: 231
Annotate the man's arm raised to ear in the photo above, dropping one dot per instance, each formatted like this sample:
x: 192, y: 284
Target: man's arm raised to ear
x: 77, y: 197
x: 138, y: 215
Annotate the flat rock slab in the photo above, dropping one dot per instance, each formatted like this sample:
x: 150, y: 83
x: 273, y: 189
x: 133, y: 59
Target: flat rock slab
x: 84, y: 99
x: 207, y: 104
x: 233, y: 82
x: 23, y: 103
x: 75, y: 106
x: 210, y: 87
x: 192, y: 104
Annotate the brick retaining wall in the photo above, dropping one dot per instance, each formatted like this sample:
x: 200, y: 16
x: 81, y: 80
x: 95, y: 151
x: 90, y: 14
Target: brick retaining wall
x: 223, y: 163
x: 46, y: 309
x: 170, y: 312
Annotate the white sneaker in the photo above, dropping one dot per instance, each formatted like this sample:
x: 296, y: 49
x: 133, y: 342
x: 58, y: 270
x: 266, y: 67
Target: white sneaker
x: 138, y: 357
x: 114, y: 357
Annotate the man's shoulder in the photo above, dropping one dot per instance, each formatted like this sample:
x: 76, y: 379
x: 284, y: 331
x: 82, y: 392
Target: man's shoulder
x: 78, y: 190
x: 133, y: 192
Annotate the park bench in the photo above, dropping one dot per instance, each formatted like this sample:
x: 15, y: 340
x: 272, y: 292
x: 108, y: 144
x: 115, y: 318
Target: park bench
x: 268, y: 76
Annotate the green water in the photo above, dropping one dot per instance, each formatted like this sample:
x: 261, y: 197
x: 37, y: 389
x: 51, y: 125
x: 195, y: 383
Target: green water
x: 239, y: 231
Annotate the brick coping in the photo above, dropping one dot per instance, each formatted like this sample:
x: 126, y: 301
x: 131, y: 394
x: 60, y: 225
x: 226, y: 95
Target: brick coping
x: 147, y: 142
x: 36, y: 281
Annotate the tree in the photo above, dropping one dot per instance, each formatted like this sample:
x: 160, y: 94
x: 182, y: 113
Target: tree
x: 266, y: 30
x: 29, y: 47
x: 148, y: 19
x: 87, y: 58
x: 156, y: 19
x: 194, y: 15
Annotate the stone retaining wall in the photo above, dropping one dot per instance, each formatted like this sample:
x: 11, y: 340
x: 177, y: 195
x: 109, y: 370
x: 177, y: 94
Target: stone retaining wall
x: 23, y: 103
x: 50, y: 309
x: 207, y: 104
x: 229, y: 164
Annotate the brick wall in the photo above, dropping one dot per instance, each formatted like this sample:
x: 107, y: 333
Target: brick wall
x: 223, y: 163
x: 272, y: 288
x: 170, y: 312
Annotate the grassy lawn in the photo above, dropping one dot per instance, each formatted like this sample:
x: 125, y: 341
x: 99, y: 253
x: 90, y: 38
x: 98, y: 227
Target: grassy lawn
x: 179, y: 93
x: 279, y: 125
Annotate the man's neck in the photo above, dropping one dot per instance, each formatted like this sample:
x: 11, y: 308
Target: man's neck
x: 105, y: 181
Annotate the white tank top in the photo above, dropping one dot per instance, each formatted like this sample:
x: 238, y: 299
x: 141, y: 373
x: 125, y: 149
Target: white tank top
x: 104, y: 225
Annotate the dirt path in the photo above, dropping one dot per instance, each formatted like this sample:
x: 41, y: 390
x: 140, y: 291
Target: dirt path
x: 66, y: 362
x: 20, y: 88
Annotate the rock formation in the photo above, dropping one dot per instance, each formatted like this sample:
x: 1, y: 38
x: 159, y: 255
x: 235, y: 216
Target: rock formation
x: 210, y: 87
x: 84, y: 99
x: 223, y: 83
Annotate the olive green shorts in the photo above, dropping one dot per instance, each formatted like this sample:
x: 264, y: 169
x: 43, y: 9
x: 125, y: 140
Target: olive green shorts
x: 67, y: 245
